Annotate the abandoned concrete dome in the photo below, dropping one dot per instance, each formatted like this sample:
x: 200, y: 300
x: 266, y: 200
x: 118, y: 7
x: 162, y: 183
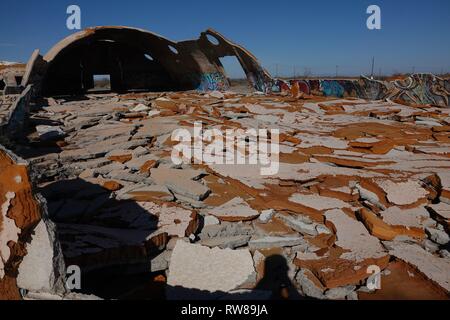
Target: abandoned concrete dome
x: 137, y: 59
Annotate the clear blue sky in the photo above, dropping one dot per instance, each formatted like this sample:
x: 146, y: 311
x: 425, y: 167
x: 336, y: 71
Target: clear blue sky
x: 315, y: 34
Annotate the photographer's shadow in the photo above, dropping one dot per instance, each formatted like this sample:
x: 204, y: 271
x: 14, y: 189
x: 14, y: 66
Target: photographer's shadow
x: 276, y: 279
x: 275, y: 285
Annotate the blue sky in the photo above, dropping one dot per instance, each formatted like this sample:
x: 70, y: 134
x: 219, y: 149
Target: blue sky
x: 317, y: 35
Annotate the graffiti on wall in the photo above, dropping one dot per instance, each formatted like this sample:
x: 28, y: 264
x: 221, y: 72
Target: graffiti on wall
x: 417, y: 88
x: 213, y: 81
x: 371, y: 89
x: 302, y: 85
x: 260, y: 82
x: 331, y: 88
x: 421, y: 88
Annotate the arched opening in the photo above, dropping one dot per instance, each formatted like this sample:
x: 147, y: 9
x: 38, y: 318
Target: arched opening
x: 213, y: 40
x: 235, y: 74
x: 133, y: 60
x: 173, y: 49
x: 102, y: 82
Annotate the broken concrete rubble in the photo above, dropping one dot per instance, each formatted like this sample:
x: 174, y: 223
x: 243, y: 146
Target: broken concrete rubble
x: 402, y: 193
x: 438, y: 236
x: 20, y: 212
x: 224, y: 230
x: 434, y: 268
x: 275, y: 242
x: 310, y: 285
x: 211, y: 270
x: 44, y: 251
x: 210, y: 221
x: 341, y: 293
x: 175, y: 221
x: 303, y: 225
x: 49, y: 132
x: 39, y: 296
x: 92, y: 247
x: 386, y: 231
x: 235, y: 210
x: 181, y: 182
x: 231, y: 242
x: 351, y: 235
x: 266, y: 215
x: 121, y: 207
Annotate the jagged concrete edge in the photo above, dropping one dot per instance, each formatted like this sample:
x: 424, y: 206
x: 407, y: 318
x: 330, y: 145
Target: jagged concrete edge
x: 58, y: 259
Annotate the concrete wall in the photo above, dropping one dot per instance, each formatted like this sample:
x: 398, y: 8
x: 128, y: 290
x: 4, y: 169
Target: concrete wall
x: 415, y: 89
x: 14, y: 122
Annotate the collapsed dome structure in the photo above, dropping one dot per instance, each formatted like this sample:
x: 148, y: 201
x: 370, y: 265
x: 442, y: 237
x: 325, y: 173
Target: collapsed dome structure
x: 136, y: 59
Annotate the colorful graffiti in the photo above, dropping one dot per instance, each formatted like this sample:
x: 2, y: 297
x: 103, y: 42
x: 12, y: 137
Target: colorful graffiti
x: 423, y: 89
x: 417, y: 88
x: 302, y: 85
x: 331, y: 88
x: 259, y: 81
x: 371, y: 89
x: 213, y: 81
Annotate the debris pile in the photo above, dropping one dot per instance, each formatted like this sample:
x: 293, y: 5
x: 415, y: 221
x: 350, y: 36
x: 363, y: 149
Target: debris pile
x: 360, y: 184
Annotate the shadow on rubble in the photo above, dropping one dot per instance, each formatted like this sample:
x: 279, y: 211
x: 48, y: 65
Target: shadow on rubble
x: 276, y: 279
x: 275, y: 285
x: 67, y: 98
x: 111, y: 241
x: 28, y: 144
